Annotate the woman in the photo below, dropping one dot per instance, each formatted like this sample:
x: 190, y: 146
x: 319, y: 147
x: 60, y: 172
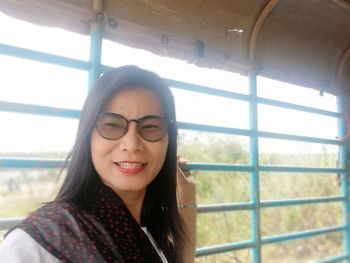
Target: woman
x: 124, y: 199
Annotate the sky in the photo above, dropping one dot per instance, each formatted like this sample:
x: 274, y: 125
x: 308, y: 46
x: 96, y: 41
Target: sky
x: 31, y: 82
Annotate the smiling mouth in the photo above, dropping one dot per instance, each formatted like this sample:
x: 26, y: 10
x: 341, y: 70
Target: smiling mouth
x: 128, y: 165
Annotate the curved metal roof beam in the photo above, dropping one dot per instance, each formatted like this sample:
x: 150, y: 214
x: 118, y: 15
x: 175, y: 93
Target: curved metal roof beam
x: 258, y: 25
x: 341, y: 64
x: 342, y: 4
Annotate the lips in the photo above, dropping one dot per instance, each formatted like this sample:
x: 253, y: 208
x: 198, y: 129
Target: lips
x: 130, y: 167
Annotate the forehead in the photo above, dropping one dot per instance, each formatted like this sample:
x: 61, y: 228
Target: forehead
x: 135, y: 102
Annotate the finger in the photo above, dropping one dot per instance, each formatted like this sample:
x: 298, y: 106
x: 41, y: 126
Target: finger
x: 186, y: 173
x: 183, y: 166
x: 184, y: 169
x: 181, y: 160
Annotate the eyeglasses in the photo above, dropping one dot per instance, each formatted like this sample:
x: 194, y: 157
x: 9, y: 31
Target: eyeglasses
x: 113, y: 126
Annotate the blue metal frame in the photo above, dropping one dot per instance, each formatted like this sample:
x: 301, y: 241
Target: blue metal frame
x: 95, y: 52
x: 255, y: 205
x: 254, y: 161
x: 344, y: 177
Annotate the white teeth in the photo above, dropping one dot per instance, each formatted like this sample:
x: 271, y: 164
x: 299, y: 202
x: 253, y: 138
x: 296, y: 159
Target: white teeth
x: 130, y: 165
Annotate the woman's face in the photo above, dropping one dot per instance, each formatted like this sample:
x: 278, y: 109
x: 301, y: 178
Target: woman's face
x: 130, y: 163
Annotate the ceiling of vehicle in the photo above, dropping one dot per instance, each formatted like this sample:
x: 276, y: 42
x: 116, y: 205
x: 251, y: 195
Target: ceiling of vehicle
x: 306, y: 42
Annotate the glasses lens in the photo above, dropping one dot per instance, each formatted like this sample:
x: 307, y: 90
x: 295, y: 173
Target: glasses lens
x: 111, y: 127
x: 153, y: 128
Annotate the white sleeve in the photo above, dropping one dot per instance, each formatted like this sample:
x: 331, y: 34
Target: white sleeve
x: 19, y: 247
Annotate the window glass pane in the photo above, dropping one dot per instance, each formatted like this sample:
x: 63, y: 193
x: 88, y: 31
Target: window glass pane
x: 283, y: 220
x: 298, y: 185
x: 52, y: 40
x: 291, y: 153
x: 221, y: 187
x: 274, y: 89
x: 115, y: 55
x: 30, y: 82
x: 36, y: 136
x: 210, y: 110
x: 24, y: 190
x: 275, y: 119
x: 204, y: 147
x: 224, y: 227
x: 304, y: 250
x: 238, y: 256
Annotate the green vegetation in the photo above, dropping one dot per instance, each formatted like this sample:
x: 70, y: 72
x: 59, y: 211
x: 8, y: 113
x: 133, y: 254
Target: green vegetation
x: 231, y: 187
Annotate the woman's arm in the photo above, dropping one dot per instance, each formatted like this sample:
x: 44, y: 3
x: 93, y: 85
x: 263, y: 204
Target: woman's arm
x: 186, y: 190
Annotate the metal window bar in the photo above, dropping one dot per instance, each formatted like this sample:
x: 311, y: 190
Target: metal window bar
x: 94, y: 67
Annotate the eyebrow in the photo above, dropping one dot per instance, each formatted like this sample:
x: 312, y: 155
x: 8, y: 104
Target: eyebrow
x: 149, y: 115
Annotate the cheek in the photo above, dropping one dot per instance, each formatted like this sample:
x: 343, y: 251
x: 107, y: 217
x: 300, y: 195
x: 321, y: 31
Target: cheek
x: 98, y: 147
x: 162, y: 150
x: 94, y: 148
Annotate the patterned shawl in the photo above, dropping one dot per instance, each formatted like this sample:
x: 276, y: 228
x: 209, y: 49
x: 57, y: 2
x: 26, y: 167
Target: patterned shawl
x: 106, y: 233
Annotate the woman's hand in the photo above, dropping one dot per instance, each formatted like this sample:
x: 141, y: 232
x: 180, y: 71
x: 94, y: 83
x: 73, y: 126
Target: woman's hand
x: 186, y: 188
x: 186, y: 196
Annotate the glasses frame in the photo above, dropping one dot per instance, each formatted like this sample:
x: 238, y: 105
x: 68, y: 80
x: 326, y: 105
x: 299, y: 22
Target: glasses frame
x: 112, y: 114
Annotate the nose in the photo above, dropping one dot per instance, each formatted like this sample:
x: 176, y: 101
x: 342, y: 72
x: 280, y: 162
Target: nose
x: 131, y: 141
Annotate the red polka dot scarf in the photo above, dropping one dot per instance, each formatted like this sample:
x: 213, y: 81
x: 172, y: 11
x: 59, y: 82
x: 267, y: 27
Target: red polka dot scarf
x: 107, y: 233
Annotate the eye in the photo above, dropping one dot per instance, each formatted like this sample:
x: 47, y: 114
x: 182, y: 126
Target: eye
x: 113, y: 125
x: 150, y: 126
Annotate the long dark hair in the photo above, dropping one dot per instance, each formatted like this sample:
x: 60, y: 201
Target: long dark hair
x: 160, y: 213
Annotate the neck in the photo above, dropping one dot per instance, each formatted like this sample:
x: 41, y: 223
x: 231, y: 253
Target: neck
x: 134, y: 202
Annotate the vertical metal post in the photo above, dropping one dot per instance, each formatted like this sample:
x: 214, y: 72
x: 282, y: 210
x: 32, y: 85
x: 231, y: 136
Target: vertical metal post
x: 254, y: 161
x: 96, y: 37
x: 344, y: 176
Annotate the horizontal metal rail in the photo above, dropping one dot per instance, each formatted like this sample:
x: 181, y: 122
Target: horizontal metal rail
x: 262, y: 168
x: 299, y: 169
x: 302, y: 234
x: 230, y: 207
x: 297, y: 107
x: 6, y: 162
x: 219, y: 167
x: 233, y: 95
x: 215, y: 208
x: 230, y: 247
x: 7, y: 223
x: 337, y: 259
x: 30, y: 163
x: 290, y: 137
x: 239, y: 96
x: 211, y: 128
x: 43, y: 57
x: 301, y: 201
x: 85, y: 65
x: 39, y: 110
x: 69, y: 113
x: 207, y: 90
